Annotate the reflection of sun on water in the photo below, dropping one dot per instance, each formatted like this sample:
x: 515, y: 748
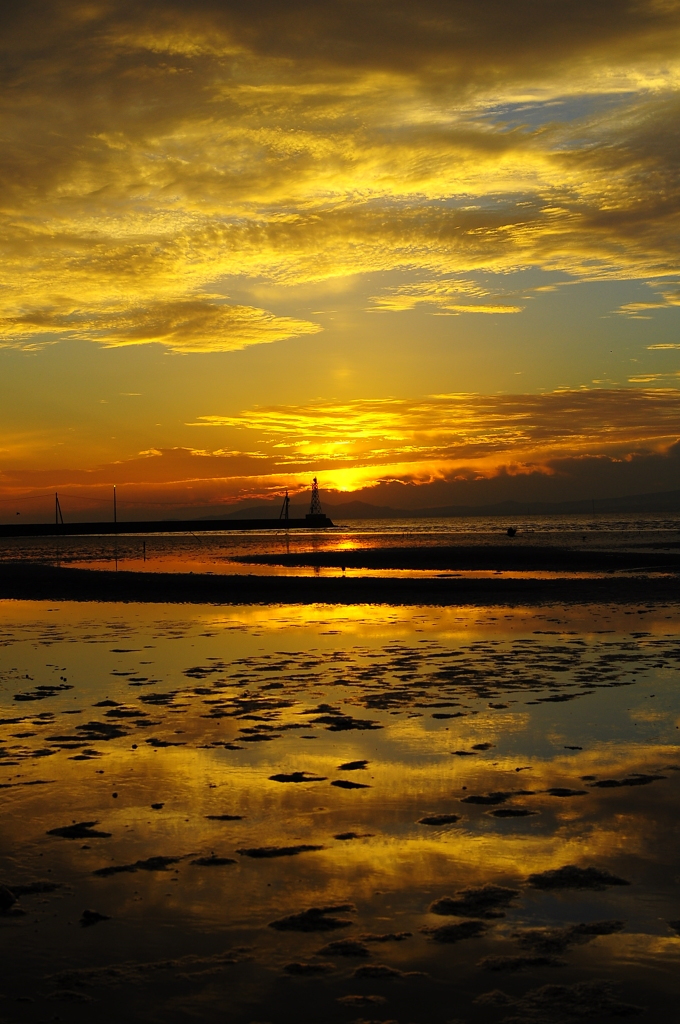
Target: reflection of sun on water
x: 347, y: 544
x: 463, y: 621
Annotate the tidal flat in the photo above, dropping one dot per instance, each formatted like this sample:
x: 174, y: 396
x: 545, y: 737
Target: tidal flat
x: 349, y: 813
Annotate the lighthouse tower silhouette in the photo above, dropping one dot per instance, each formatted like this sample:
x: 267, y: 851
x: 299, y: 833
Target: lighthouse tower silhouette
x: 315, y: 513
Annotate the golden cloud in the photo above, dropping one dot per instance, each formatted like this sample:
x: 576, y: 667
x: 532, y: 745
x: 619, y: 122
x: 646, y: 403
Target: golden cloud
x: 445, y: 295
x: 478, y: 446
x: 196, y: 325
x: 650, y: 378
x: 184, y: 146
x: 462, y: 428
x: 638, y: 310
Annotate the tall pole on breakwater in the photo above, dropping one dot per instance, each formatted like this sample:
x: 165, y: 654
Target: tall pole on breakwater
x: 115, y: 526
x: 313, y: 520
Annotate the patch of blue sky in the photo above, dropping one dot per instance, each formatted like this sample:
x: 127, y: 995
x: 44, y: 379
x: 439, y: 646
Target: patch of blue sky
x: 562, y: 110
x: 490, y: 201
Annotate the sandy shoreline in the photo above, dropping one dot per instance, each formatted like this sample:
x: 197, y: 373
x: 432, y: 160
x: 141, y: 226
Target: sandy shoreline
x: 42, y: 582
x: 531, y: 557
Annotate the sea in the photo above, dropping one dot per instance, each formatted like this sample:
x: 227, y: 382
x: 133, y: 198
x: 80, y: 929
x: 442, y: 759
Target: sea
x: 287, y: 814
x: 228, y: 552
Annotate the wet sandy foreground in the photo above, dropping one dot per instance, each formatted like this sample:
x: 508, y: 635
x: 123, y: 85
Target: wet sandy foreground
x: 359, y: 813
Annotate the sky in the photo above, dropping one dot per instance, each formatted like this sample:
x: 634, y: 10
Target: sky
x: 426, y: 252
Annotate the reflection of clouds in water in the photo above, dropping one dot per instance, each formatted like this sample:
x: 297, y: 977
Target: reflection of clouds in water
x: 209, y: 679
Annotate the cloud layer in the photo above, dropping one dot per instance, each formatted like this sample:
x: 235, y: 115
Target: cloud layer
x: 198, y: 178
x: 188, y: 325
x: 442, y: 449
x: 153, y: 154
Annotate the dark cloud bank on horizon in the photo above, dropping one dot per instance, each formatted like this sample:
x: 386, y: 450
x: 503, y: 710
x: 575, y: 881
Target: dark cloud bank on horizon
x: 164, y: 476
x: 571, y: 479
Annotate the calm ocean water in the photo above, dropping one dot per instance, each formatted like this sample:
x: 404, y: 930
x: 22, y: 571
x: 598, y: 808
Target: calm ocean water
x: 224, y: 552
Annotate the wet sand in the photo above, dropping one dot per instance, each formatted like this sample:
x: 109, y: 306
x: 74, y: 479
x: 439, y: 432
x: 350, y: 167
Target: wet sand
x: 350, y: 813
x: 521, y: 557
x: 26, y: 580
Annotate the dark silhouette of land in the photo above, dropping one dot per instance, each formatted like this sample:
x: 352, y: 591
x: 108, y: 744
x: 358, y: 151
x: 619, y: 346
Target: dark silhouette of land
x: 488, y: 557
x: 663, y: 501
x: 268, y: 515
x: 30, y: 581
x: 309, y: 522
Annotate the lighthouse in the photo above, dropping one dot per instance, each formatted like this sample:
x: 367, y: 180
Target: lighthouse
x: 315, y: 515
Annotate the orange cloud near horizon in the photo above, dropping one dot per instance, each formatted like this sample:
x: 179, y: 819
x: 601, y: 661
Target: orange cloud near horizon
x: 437, y: 445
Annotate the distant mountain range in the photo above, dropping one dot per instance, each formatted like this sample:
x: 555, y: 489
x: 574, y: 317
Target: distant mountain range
x: 664, y: 501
